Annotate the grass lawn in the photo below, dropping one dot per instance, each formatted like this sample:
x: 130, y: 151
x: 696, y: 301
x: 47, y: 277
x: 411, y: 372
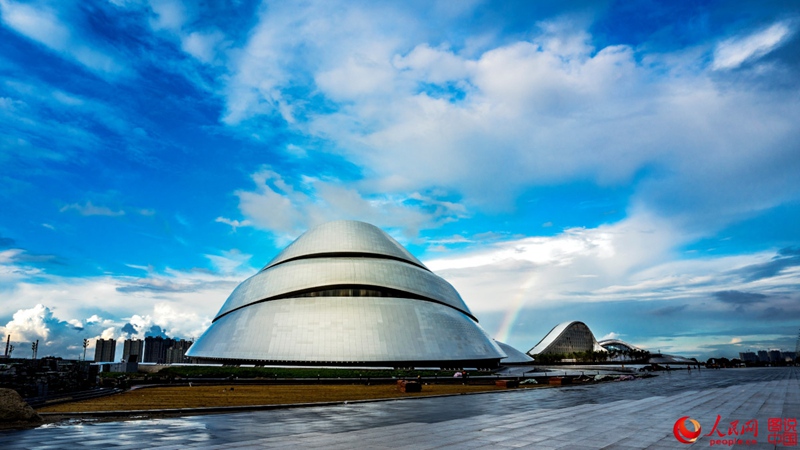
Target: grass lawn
x: 245, y: 395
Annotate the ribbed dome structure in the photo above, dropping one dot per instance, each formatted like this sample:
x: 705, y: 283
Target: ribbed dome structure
x: 346, y: 293
x: 567, y: 337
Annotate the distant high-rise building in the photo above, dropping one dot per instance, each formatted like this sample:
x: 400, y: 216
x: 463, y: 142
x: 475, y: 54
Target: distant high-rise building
x: 133, y: 350
x: 797, y: 345
x: 748, y: 357
x: 104, y: 350
x: 155, y: 349
x: 788, y: 356
x: 177, y: 353
x: 763, y: 356
x: 775, y: 355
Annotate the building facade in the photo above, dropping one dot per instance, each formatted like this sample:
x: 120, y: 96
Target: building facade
x: 750, y: 357
x: 177, y: 353
x: 346, y: 293
x: 566, y: 338
x: 155, y: 349
x: 133, y: 350
x: 105, y: 350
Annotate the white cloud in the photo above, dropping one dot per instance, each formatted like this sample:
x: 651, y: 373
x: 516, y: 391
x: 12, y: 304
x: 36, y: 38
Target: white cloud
x: 733, y: 52
x: 488, y: 125
x: 89, y: 209
x: 94, y: 319
x: 230, y: 261
x: 632, y: 260
x: 375, y: 78
x: 431, y: 65
x: 68, y: 309
x: 610, y: 335
x: 168, y: 14
x: 233, y: 223
x: 288, y: 209
x: 43, y: 25
x: 203, y: 45
x: 38, y: 24
x: 573, y: 266
x: 177, y: 322
x: 327, y: 41
x: 30, y: 324
x: 109, y: 333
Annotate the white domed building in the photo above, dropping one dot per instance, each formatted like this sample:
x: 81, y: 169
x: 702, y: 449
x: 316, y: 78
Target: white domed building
x: 346, y: 293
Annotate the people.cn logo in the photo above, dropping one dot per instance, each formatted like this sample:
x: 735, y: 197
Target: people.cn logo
x: 682, y: 433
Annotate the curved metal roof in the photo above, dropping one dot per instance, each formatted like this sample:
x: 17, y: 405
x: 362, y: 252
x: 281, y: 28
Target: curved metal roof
x: 305, y: 274
x: 514, y: 356
x: 557, y: 332
x: 617, y: 342
x: 346, y: 330
x: 344, y: 237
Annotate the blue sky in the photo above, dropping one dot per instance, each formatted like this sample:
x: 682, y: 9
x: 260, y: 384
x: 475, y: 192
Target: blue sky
x: 633, y: 165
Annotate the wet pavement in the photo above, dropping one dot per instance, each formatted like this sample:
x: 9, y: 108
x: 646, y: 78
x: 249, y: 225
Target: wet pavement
x: 615, y: 415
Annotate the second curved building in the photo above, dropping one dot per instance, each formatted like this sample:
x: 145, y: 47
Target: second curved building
x: 346, y: 293
x: 567, y: 337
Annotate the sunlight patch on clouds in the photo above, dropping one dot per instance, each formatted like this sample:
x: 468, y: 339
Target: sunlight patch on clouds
x: 628, y: 260
x: 30, y: 324
x: 734, y: 52
x: 538, y: 250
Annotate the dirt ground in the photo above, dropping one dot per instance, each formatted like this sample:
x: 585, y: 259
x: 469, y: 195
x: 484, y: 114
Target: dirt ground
x: 247, y: 395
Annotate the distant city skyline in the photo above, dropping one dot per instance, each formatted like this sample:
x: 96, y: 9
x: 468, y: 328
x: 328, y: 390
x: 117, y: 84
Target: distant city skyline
x: 630, y: 165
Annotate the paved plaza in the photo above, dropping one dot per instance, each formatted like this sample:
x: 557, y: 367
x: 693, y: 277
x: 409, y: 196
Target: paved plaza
x: 617, y: 415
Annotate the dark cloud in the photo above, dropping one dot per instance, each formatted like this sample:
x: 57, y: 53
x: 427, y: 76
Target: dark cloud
x: 129, y: 329
x: 38, y: 258
x: 156, y: 331
x: 146, y: 285
x: 786, y: 258
x: 668, y: 310
x: 739, y: 298
x: 789, y: 251
x: 777, y: 313
x: 25, y: 257
x: 162, y: 285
